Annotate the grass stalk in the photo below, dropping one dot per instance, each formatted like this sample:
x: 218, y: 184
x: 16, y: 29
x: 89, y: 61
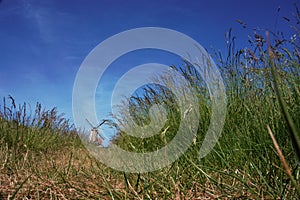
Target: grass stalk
x: 283, y: 161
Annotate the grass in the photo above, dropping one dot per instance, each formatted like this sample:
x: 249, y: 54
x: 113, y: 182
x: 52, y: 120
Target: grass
x: 42, y: 156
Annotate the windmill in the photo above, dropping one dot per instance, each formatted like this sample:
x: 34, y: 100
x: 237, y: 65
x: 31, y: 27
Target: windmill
x: 94, y: 133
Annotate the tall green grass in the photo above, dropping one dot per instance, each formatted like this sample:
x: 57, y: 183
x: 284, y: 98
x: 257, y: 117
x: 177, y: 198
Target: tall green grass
x: 245, y: 163
x: 37, y: 129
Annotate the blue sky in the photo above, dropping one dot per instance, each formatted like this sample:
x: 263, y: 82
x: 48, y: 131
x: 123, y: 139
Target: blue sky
x: 43, y: 43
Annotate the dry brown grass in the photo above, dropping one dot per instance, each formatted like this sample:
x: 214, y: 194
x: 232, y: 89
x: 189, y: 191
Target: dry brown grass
x: 72, y: 174
x: 65, y: 174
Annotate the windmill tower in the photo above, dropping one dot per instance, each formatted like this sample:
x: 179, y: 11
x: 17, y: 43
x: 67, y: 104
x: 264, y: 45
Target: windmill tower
x: 94, y: 134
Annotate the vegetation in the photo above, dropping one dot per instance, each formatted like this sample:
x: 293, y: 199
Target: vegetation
x: 42, y: 157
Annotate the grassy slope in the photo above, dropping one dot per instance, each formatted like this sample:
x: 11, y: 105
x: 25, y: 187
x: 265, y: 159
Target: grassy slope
x: 243, y: 165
